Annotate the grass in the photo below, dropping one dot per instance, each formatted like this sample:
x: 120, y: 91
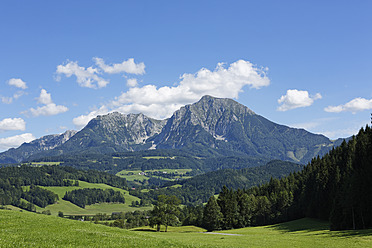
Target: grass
x: 33, y: 230
x: 71, y: 209
x: 132, y: 175
x: 45, y: 163
x: 300, y: 233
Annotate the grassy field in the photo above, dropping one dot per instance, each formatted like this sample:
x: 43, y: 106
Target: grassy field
x: 32, y: 230
x: 131, y: 175
x: 45, y: 163
x: 71, y: 209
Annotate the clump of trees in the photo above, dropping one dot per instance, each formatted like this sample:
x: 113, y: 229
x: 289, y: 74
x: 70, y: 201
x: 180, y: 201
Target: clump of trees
x: 12, y: 180
x: 83, y: 197
x: 39, y: 196
x: 165, y: 212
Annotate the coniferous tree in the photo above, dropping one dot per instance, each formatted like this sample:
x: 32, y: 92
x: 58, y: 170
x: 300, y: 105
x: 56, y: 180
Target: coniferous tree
x: 212, y: 216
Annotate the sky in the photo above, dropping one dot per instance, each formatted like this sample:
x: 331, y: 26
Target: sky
x: 304, y: 64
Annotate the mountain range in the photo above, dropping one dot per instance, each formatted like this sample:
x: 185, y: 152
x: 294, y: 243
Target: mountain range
x: 211, y: 125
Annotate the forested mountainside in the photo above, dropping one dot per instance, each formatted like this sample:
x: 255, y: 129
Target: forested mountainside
x: 337, y: 187
x: 198, y: 189
x: 209, y: 127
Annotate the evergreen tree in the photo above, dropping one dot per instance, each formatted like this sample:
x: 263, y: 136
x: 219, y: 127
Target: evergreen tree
x: 212, y: 216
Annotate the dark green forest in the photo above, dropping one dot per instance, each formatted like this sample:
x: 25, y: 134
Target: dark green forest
x: 13, y: 178
x: 83, y: 197
x: 336, y: 187
x: 198, y: 189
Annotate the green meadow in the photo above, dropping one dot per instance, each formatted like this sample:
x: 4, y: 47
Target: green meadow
x: 24, y: 229
x: 107, y: 208
x: 132, y: 175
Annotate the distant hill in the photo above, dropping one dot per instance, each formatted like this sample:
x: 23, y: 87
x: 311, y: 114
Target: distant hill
x: 209, y: 127
x: 17, y: 155
x: 198, y: 189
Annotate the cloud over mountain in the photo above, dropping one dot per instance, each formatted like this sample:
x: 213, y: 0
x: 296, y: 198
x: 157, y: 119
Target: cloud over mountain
x: 90, y: 77
x: 8, y: 124
x: 49, y: 108
x: 14, y: 141
x: 296, y: 99
x: 161, y: 102
x: 85, y: 77
x: 355, y: 105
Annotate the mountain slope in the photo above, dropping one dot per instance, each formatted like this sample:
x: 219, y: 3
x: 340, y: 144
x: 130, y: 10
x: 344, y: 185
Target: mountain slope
x: 209, y: 127
x: 113, y: 132
x: 45, y: 143
x: 227, y: 125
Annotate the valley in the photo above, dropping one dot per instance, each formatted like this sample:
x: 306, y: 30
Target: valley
x: 216, y: 165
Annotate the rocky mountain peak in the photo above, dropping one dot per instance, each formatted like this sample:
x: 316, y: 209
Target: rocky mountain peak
x: 213, y: 114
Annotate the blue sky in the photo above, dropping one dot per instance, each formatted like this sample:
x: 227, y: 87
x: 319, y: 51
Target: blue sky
x: 301, y: 64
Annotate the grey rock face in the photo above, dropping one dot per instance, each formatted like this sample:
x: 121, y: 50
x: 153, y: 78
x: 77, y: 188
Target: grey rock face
x: 223, y: 125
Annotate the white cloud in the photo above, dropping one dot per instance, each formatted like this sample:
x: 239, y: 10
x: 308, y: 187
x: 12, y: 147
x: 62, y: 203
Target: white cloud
x: 7, y: 100
x: 128, y: 66
x: 44, y: 98
x: 15, y: 141
x: 49, y: 108
x: 132, y: 82
x: 86, y: 77
x: 296, y: 99
x: 355, y: 105
x: 18, y: 94
x: 17, y: 82
x: 12, y: 124
x: 82, y: 120
x: 162, y: 102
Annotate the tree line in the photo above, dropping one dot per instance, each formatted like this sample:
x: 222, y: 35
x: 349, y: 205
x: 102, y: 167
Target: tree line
x: 13, y: 180
x: 336, y: 187
x: 83, y: 197
x: 198, y: 189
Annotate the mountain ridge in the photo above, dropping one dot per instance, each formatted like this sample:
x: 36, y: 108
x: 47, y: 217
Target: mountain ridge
x: 45, y: 143
x: 220, y: 125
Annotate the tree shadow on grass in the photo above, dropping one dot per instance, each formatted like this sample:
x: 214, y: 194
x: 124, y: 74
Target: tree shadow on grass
x: 305, y: 224
x: 144, y: 230
x: 308, y: 225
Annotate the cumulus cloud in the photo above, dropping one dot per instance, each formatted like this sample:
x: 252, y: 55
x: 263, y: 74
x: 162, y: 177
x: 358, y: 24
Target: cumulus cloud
x: 355, y: 105
x: 15, y: 141
x: 296, y: 99
x: 132, y: 82
x: 49, y: 108
x: 128, y: 66
x: 85, y: 77
x: 45, y: 97
x: 12, y: 124
x: 163, y: 101
x: 17, y: 82
x: 82, y: 120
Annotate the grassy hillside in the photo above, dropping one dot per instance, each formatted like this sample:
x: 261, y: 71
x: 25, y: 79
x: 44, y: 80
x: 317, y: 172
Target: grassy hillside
x: 33, y: 230
x: 68, y: 208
